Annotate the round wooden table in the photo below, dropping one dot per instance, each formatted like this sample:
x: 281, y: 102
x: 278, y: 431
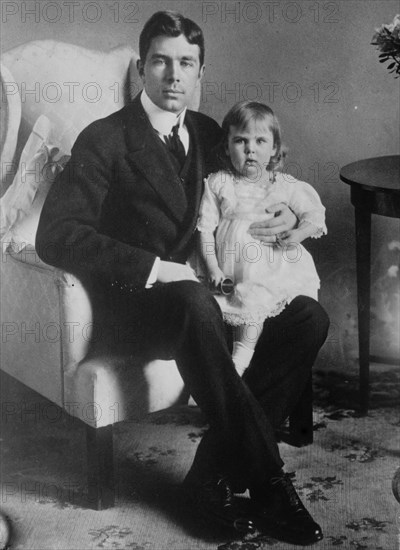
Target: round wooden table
x: 375, y: 189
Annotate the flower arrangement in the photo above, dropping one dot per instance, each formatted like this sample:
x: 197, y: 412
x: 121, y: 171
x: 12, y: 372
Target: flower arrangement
x: 387, y: 38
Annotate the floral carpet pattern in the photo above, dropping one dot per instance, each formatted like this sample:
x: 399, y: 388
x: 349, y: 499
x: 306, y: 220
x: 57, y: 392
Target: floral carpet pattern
x: 344, y: 477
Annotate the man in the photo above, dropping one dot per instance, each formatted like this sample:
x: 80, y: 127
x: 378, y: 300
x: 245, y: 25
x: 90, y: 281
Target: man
x: 122, y: 217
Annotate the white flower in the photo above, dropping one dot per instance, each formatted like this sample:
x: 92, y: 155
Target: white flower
x: 394, y: 23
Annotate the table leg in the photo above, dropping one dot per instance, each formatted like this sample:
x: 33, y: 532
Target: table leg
x: 363, y: 258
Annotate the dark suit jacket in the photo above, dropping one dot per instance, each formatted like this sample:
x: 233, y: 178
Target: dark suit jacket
x: 119, y: 202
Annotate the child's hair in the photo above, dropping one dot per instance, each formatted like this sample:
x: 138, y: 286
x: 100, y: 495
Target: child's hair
x: 240, y: 115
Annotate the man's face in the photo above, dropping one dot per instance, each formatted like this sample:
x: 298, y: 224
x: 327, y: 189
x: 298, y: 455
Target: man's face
x: 171, y: 72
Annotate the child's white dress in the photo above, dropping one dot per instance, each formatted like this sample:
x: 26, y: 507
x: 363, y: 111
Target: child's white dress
x: 266, y: 277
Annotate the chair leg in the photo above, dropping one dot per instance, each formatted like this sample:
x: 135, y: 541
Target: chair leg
x: 101, y: 490
x: 300, y: 431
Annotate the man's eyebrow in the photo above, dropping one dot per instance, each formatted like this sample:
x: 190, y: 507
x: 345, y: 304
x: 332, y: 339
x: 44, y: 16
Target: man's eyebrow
x: 159, y: 55
x: 163, y: 56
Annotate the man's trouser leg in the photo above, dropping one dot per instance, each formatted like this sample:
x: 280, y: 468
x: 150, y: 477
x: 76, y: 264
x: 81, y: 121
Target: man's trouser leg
x: 182, y: 320
x: 279, y: 370
x: 284, y: 355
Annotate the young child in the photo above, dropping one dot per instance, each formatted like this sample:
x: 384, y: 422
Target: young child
x: 266, y: 277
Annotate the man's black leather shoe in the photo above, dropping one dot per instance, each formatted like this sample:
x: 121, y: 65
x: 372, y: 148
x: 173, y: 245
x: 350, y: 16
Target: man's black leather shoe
x: 280, y: 513
x: 215, y: 502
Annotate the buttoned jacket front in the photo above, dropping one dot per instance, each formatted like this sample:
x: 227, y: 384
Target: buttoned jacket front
x: 120, y: 203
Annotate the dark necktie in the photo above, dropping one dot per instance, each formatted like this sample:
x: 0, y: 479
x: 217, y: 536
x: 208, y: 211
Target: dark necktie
x: 174, y: 144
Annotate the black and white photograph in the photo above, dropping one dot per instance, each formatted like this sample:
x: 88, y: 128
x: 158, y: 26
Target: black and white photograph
x: 200, y: 286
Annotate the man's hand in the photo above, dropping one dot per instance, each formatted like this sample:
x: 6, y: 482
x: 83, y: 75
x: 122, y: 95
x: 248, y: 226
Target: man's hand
x: 288, y: 237
x: 267, y: 231
x: 168, y: 272
x: 296, y: 236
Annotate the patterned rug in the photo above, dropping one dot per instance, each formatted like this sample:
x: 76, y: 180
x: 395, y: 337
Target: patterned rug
x: 344, y: 478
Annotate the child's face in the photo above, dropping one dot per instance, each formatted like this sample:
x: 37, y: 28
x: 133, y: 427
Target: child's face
x: 251, y: 148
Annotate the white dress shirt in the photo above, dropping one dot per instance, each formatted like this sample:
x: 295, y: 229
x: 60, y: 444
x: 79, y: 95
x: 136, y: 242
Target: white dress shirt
x: 163, y: 121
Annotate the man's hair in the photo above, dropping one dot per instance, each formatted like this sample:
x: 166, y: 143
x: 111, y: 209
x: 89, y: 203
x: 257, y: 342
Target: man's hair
x: 239, y: 116
x: 170, y: 23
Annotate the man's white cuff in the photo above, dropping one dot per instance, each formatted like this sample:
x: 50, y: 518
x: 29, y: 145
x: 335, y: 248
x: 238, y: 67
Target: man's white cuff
x: 153, y: 273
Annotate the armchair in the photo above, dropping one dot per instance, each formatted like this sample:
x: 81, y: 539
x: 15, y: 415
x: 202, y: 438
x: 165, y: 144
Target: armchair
x: 55, y: 90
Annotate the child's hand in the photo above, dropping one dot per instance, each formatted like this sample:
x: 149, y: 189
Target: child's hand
x: 216, y: 276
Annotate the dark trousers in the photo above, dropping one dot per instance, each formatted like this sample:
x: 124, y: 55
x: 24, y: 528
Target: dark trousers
x: 182, y: 320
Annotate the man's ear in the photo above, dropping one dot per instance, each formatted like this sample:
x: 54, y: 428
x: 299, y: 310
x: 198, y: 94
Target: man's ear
x: 140, y: 68
x: 201, y: 71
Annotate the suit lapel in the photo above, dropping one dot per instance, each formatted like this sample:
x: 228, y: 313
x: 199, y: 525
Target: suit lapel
x: 148, y: 153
